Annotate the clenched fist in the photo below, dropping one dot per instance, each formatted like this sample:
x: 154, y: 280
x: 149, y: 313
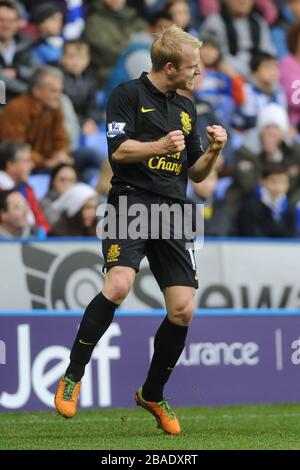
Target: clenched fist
x: 217, y: 137
x: 174, y: 142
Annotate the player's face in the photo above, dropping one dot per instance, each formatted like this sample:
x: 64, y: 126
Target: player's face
x: 187, y: 75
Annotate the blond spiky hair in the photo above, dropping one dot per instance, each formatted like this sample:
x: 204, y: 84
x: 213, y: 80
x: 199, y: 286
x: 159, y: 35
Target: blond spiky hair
x: 169, y: 47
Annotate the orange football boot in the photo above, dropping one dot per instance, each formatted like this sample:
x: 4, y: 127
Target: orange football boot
x: 162, y: 412
x: 66, y: 398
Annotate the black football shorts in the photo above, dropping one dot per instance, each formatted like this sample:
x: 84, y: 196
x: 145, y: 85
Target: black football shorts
x: 171, y: 261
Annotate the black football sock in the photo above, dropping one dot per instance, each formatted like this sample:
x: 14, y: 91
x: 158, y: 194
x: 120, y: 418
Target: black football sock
x: 96, y: 319
x: 168, y: 345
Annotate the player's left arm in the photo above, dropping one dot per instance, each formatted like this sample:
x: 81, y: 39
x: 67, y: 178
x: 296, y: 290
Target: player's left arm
x: 217, y: 138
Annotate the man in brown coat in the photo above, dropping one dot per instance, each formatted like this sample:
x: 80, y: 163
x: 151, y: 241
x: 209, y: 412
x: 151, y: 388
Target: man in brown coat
x: 36, y: 118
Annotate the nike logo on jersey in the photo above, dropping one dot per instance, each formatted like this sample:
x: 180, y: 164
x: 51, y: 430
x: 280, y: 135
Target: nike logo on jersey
x: 147, y: 110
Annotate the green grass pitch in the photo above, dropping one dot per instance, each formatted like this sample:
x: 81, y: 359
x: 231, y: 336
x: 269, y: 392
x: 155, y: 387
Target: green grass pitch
x: 240, y: 427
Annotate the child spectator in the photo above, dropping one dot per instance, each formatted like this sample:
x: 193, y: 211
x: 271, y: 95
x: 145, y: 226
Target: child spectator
x: 49, y: 21
x: 80, y: 84
x: 267, y: 212
x: 263, y: 88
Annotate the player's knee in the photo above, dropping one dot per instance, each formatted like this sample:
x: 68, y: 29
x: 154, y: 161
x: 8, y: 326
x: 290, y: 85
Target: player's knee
x: 182, y: 314
x: 118, y: 289
x: 117, y: 286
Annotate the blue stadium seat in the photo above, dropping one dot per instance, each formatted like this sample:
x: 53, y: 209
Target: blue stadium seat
x: 40, y: 184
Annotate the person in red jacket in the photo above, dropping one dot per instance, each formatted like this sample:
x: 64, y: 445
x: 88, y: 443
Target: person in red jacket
x: 15, y: 168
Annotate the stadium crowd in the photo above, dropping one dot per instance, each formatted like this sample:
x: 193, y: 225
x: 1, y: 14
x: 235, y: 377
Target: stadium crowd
x: 59, y: 62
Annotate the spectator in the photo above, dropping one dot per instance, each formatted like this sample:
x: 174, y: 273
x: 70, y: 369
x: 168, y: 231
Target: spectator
x: 49, y: 20
x: 62, y: 178
x: 15, y: 168
x: 109, y: 25
x: 266, y: 8
x: 267, y: 212
x: 240, y: 31
x: 80, y: 84
x: 136, y: 58
x: 263, y: 88
x: 73, y: 12
x: 36, y: 118
x: 78, y: 208
x: 290, y: 14
x: 16, y: 60
x: 181, y: 15
x: 13, y: 216
x: 290, y: 73
x: 269, y: 143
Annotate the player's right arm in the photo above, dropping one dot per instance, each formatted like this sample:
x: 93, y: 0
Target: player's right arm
x: 123, y: 143
x: 133, y: 151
